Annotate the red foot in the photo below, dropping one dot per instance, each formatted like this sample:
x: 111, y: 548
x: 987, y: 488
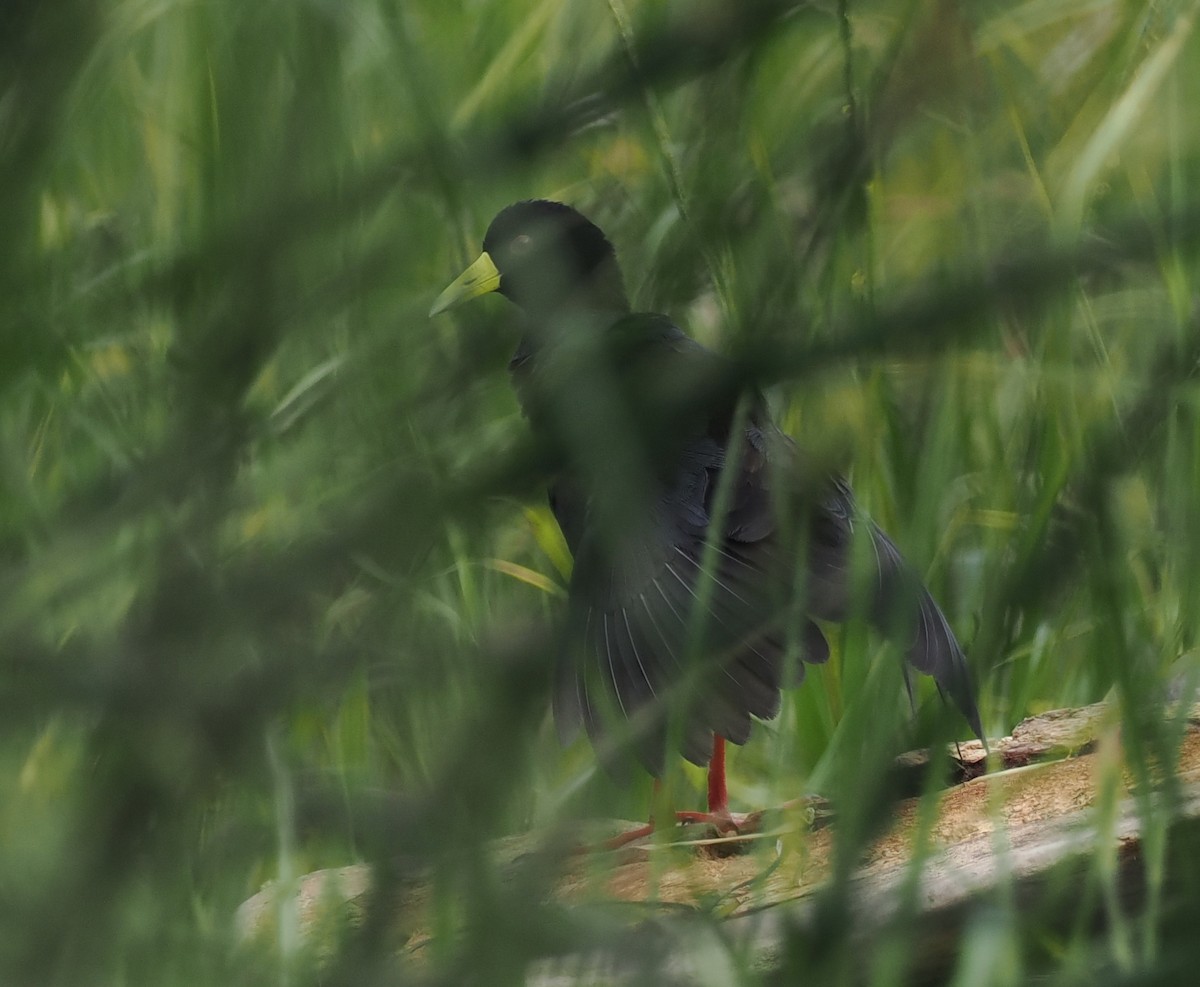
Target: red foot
x: 624, y: 839
x: 718, y: 815
x: 724, y: 822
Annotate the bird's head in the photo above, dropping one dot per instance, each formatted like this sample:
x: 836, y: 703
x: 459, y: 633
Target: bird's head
x: 545, y: 257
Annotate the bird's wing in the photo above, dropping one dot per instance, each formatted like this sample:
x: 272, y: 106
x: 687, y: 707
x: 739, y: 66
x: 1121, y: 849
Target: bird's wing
x: 897, y: 602
x: 681, y: 651
x: 679, y: 638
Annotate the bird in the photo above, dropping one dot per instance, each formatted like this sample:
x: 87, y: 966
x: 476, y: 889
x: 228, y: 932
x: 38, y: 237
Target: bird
x: 705, y: 549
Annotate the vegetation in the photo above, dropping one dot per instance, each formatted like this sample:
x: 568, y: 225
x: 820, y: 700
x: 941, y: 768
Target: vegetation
x: 278, y: 581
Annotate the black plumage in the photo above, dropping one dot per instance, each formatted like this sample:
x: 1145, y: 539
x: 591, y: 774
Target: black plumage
x: 687, y: 526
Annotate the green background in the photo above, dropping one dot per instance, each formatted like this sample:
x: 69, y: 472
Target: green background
x: 276, y: 576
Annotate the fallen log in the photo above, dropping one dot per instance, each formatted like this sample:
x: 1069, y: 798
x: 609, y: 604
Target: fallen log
x: 1059, y: 799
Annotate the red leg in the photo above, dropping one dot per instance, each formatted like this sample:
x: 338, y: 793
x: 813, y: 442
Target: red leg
x: 718, y: 794
x: 641, y: 832
x: 717, y: 815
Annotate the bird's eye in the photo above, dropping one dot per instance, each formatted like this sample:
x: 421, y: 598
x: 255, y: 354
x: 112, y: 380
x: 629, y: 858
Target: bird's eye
x: 520, y: 244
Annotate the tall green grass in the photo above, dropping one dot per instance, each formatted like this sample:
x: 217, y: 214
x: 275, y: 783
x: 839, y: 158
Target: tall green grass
x: 277, y: 584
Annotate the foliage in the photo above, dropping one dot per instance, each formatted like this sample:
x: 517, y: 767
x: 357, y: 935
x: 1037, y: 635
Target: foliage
x: 278, y: 587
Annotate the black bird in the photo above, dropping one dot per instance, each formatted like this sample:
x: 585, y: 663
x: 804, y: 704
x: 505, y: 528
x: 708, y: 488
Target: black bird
x: 686, y: 523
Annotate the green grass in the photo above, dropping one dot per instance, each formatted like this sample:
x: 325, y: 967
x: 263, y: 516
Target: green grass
x: 276, y: 579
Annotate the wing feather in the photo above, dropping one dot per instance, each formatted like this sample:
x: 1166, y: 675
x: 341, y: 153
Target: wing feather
x: 634, y: 607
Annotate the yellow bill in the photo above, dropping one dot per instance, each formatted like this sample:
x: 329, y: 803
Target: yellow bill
x: 478, y: 279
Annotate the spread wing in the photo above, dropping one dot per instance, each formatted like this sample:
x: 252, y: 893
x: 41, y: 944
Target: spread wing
x: 656, y: 634
x: 678, y: 639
